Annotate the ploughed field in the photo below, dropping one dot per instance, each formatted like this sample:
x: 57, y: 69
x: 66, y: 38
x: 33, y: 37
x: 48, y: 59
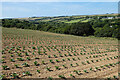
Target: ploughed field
x: 37, y: 54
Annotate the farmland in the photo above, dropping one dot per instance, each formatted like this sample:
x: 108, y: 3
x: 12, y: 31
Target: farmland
x: 38, y: 54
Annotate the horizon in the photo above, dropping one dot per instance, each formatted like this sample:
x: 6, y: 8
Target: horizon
x: 57, y: 16
x: 51, y: 9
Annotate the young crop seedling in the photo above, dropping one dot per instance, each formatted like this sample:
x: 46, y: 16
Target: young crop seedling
x: 5, y: 67
x: 111, y: 64
x: 78, y: 58
x: 43, y: 62
x: 33, y: 47
x: 111, y: 58
x: 96, y: 68
x: 83, y: 63
x: 9, y: 51
x: 38, y: 71
x: 15, y: 76
x: 2, y: 61
x: 65, y: 55
x: 72, y: 76
x: 50, y: 78
x: 27, y: 73
x: 73, y: 59
x: 36, y: 57
x: 61, y: 76
x: 55, y: 56
x: 63, y: 59
x: 77, y: 54
x: 51, y: 61
x: 45, y: 53
x: 48, y: 68
x: 3, y: 56
x: 19, y: 54
x: 49, y: 56
x: 12, y: 60
x: 25, y: 65
x: 71, y: 65
x: 57, y: 60
x: 39, y: 53
x: 26, y: 54
x: 85, y: 71
x: 64, y: 66
x: 86, y: 57
x: 81, y: 53
x: 92, y: 61
x: 76, y: 72
x: 115, y: 77
x: 28, y: 58
x: 16, y: 65
x: 77, y: 64
x: 74, y: 54
x: 20, y: 59
x: 89, y: 56
x: 69, y: 54
x: 68, y: 59
x: 96, y: 60
x: 33, y: 53
x: 57, y: 67
x: 91, y: 69
x: 101, y: 66
x: 36, y: 63
x: 12, y: 55
x: 88, y: 62
x: 60, y: 55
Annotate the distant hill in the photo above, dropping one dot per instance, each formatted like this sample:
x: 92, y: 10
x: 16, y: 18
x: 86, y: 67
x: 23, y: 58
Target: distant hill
x: 69, y: 19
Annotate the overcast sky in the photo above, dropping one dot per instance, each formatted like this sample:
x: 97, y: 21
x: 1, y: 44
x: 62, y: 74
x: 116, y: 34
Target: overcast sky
x: 29, y: 9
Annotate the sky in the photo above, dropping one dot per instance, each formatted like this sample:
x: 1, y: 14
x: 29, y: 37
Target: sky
x: 60, y: 0
x: 30, y: 9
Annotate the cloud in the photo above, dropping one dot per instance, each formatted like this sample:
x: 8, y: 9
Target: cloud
x: 60, y: 0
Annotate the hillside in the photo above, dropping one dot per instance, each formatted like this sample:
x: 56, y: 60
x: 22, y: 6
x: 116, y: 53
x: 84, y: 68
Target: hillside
x: 86, y: 25
x: 38, y: 54
x: 69, y: 19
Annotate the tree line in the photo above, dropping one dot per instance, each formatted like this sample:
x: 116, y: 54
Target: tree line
x: 98, y: 28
